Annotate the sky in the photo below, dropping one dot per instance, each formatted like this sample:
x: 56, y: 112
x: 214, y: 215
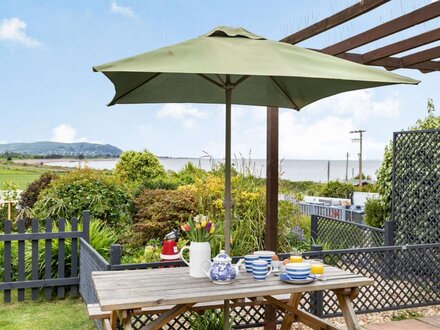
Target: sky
x: 49, y: 92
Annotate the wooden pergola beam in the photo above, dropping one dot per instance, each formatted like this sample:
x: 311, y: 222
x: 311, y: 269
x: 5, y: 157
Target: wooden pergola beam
x: 403, y: 22
x: 422, y: 56
x: 402, y: 46
x: 330, y: 22
x: 393, y: 63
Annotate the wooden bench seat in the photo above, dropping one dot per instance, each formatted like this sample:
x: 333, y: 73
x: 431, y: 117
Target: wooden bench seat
x: 95, y: 312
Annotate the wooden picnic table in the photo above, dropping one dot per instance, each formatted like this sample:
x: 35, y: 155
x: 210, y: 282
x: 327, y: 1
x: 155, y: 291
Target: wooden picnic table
x: 123, y: 292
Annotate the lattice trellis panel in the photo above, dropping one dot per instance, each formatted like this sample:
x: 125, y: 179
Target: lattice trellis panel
x: 402, y: 277
x: 416, y: 187
x: 339, y: 234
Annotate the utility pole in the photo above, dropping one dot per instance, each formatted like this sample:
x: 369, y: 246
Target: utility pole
x: 360, y: 152
x: 346, y: 167
x: 328, y: 171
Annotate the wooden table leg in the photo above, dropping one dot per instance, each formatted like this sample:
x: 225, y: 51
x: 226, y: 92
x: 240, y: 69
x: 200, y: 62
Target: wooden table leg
x: 304, y: 317
x: 125, y: 318
x: 226, y: 315
x: 113, y: 320
x: 289, y: 315
x: 345, y: 297
x: 164, y: 318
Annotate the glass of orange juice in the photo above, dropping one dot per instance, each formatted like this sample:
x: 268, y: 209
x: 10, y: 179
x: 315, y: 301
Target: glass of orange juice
x: 295, y: 257
x: 316, y: 267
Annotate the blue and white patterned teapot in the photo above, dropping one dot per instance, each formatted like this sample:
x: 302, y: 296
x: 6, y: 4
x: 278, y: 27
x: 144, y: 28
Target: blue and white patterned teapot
x: 221, y: 270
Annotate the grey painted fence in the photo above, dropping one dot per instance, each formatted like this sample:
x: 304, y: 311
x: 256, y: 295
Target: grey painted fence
x: 331, y: 211
x: 43, y: 257
x: 340, y: 234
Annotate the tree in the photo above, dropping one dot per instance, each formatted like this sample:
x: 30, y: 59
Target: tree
x: 385, y: 172
x: 134, y: 166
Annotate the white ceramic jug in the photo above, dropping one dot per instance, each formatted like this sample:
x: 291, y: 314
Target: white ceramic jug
x: 198, y: 253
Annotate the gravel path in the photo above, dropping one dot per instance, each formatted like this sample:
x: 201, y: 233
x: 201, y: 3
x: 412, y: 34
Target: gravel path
x: 381, y: 317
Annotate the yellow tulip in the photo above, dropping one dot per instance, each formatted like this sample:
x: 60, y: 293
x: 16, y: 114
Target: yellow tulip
x: 204, y: 222
x: 212, y: 230
x: 198, y: 226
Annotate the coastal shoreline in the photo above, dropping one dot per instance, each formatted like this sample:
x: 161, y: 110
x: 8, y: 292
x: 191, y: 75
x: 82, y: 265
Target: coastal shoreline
x: 38, y: 161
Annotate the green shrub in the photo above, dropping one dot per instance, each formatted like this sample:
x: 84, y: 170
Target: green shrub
x: 248, y: 224
x: 158, y: 211
x: 30, y: 196
x: 159, y: 183
x: 135, y: 167
x: 337, y: 189
x: 85, y: 189
x: 375, y: 213
x: 189, y: 173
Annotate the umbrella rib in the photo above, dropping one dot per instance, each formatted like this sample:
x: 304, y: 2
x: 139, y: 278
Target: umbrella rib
x: 284, y: 93
x: 113, y: 102
x: 211, y: 80
x: 239, y: 81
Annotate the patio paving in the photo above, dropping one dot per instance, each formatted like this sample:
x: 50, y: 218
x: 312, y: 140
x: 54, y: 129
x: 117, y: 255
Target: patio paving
x: 425, y: 323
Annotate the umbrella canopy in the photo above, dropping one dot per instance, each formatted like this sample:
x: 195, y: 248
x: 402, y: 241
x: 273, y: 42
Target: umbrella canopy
x: 232, y: 65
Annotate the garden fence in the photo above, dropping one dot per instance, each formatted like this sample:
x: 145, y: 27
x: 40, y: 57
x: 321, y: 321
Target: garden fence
x: 39, y: 258
x: 340, y: 234
x: 405, y: 276
x: 331, y: 211
x: 416, y: 186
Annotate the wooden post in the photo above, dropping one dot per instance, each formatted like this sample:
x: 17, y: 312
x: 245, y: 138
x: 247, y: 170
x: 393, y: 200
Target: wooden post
x: 314, y: 228
x: 317, y: 297
x: 389, y: 233
x: 86, y: 226
x: 272, y: 179
x: 115, y: 254
x: 271, y: 199
x: 21, y: 259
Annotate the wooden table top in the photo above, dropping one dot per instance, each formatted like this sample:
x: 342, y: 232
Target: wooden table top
x: 130, y: 289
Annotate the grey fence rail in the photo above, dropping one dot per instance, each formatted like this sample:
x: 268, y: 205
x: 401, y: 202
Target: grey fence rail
x: 41, y: 257
x: 340, y: 234
x: 405, y: 276
x: 329, y: 211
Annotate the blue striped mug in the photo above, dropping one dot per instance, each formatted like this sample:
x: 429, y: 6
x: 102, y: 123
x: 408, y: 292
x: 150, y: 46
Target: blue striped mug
x: 261, y: 269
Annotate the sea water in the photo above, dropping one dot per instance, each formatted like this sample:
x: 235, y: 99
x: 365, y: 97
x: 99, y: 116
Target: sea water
x: 290, y: 169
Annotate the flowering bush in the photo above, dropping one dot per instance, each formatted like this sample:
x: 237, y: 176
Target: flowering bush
x: 199, y: 229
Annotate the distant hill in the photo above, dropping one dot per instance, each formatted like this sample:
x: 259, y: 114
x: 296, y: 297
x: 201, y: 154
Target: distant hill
x: 46, y: 148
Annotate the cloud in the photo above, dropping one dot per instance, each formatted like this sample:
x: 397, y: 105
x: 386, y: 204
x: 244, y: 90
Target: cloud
x: 188, y: 115
x: 66, y: 133
x: 321, y: 131
x: 121, y: 10
x: 359, y: 105
x: 14, y: 30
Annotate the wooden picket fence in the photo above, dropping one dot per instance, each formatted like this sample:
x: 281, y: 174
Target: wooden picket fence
x: 16, y: 274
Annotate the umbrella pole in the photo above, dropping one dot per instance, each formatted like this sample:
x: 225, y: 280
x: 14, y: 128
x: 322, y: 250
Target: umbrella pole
x: 228, y: 199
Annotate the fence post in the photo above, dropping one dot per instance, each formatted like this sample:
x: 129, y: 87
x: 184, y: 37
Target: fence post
x: 389, y: 233
x: 86, y: 226
x: 115, y: 254
x: 314, y: 228
x: 317, y: 297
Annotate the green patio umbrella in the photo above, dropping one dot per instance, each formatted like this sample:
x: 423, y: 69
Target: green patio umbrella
x: 232, y: 65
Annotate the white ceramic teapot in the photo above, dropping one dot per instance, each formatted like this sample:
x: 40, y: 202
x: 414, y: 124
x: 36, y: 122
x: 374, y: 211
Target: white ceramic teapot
x: 221, y: 270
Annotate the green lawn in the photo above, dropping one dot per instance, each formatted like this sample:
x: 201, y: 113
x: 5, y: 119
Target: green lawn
x: 23, y: 175
x: 53, y: 315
